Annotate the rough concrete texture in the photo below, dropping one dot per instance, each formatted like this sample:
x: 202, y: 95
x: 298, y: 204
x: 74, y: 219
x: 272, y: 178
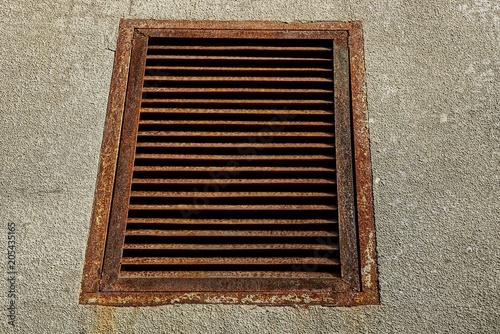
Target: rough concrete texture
x: 433, y: 84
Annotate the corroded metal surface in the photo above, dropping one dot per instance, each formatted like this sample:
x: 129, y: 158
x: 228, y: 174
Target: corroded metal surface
x: 121, y: 194
x: 344, y: 158
x: 231, y: 221
x: 242, y: 33
x: 232, y: 134
x: 233, y: 233
x: 240, y: 25
x: 150, y: 222
x: 232, y: 246
x: 226, y: 194
x: 256, y: 298
x: 234, y: 111
x: 363, y: 172
x: 107, y: 164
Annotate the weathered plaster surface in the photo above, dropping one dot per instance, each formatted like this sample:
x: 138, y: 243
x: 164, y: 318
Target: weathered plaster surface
x: 433, y: 84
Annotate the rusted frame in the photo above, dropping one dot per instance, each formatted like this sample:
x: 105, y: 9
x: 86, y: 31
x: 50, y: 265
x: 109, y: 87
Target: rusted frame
x: 344, y: 161
x: 107, y: 164
x: 228, y: 286
x: 238, y: 33
x: 240, y: 25
x: 261, y: 298
x: 362, y: 168
x: 123, y: 181
x: 92, y: 294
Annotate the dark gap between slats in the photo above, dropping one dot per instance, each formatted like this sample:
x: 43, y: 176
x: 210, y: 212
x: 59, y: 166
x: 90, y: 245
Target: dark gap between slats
x: 326, y: 162
x: 236, y: 227
x: 236, y: 84
x: 235, y: 214
x: 235, y: 187
x: 234, y: 174
x: 236, y: 128
x: 255, y: 62
x: 236, y: 151
x: 322, y: 73
x: 242, y: 267
x: 236, y: 95
x: 173, y: 116
x: 240, y: 42
x: 247, y: 52
x: 232, y: 253
x: 231, y: 138
x: 230, y: 240
x: 288, y: 105
x: 236, y: 201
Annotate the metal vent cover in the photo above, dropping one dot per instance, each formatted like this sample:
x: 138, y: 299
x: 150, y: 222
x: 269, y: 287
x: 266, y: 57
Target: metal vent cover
x: 234, y: 168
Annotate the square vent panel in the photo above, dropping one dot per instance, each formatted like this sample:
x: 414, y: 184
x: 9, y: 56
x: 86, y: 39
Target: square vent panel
x: 234, y: 168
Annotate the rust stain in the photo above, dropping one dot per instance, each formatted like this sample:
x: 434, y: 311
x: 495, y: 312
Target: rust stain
x: 106, y: 320
x: 369, y: 262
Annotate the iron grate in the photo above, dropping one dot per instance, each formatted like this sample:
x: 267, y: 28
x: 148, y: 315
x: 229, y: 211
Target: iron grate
x: 235, y: 165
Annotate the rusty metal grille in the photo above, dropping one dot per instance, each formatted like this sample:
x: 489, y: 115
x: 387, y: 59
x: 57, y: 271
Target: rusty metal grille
x: 235, y: 166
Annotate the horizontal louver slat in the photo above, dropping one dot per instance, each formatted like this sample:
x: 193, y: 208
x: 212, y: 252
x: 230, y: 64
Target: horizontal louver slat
x: 231, y: 246
x: 230, y: 145
x: 227, y: 194
x: 227, y: 274
x: 232, y: 123
x: 233, y: 134
x: 230, y: 260
x: 232, y: 233
x: 231, y: 207
x: 229, y: 169
x: 230, y: 221
x: 232, y: 181
x: 234, y: 90
x: 239, y: 47
x: 235, y: 78
x: 232, y: 157
x: 237, y: 69
x: 208, y: 58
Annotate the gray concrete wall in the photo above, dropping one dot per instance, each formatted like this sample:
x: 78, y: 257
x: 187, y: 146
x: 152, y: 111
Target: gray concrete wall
x: 433, y: 85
